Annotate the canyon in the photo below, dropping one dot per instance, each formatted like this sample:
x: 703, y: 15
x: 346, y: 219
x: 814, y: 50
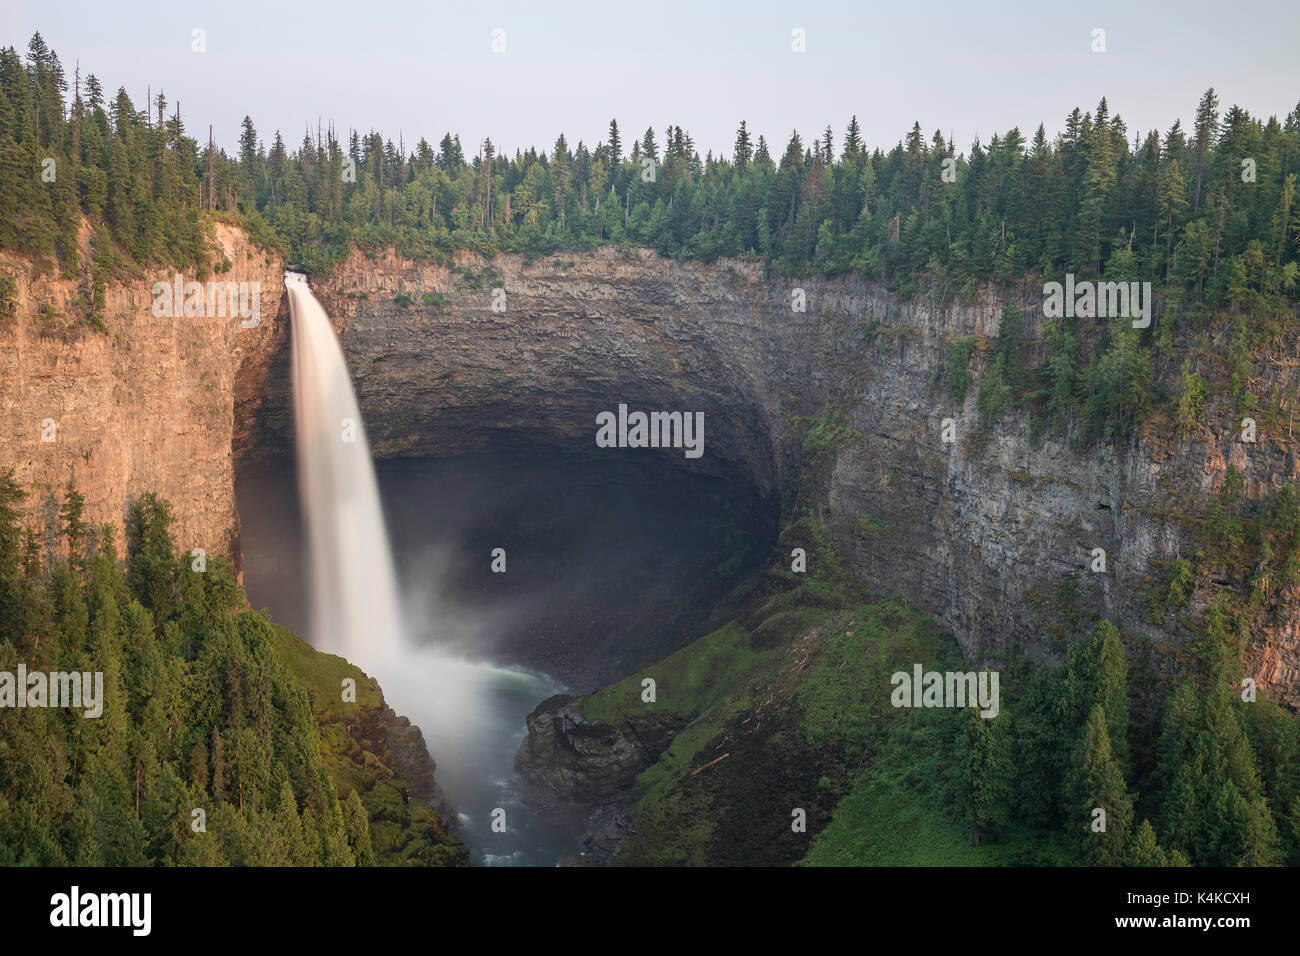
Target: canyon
x: 979, y: 533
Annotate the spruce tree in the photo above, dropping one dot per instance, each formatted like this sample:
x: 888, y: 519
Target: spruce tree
x: 742, y: 150
x: 984, y: 773
x: 1146, y: 851
x: 1096, y: 784
x: 615, y: 146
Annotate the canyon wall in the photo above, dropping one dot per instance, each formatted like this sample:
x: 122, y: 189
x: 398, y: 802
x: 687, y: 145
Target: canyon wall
x: 144, y: 406
x: 981, y: 533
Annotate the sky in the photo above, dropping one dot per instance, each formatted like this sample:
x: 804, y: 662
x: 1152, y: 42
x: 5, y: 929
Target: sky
x: 425, y: 68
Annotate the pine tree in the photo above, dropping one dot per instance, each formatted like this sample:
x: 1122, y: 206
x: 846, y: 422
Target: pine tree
x: 852, y: 141
x: 357, y: 825
x: 151, y: 565
x: 1097, y: 676
x: 11, y: 495
x: 1173, y: 203
x: 1146, y: 852
x: 200, y: 776
x: 1206, y: 128
x: 615, y: 146
x: 742, y: 151
x: 1096, y: 784
x: 220, y: 767
x: 74, y: 527
x: 984, y: 773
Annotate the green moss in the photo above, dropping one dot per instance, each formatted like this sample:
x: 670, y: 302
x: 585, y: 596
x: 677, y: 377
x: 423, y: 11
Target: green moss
x: 798, y: 710
x: 869, y: 524
x: 958, y: 371
x: 323, y: 674
x: 826, y: 433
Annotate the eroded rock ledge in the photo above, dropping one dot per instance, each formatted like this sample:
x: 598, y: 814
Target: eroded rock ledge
x: 585, y: 761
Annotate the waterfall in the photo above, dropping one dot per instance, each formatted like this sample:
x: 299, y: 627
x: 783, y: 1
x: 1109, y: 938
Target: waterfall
x: 355, y: 611
x: 471, y: 713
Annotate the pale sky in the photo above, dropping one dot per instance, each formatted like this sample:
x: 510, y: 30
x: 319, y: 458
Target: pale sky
x: 423, y: 68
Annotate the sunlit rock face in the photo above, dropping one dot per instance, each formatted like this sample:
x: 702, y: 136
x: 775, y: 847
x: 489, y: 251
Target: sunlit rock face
x: 147, y: 405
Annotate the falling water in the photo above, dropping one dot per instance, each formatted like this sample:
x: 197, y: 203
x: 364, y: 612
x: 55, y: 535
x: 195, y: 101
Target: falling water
x: 355, y: 611
x: 472, y: 714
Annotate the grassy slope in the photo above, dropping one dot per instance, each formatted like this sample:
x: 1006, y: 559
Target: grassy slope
x: 401, y: 832
x: 797, y: 692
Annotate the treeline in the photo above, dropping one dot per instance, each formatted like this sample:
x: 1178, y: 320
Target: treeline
x: 62, y: 163
x: 1211, y: 211
x: 198, y: 711
x: 1207, y: 215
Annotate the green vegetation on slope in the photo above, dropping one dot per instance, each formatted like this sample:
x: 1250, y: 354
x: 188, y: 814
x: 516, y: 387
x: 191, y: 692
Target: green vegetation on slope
x: 789, y: 708
x: 358, y: 751
x: 207, y: 706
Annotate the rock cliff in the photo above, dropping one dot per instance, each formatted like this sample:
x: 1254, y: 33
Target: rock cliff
x: 979, y: 533
x: 145, y: 406
x: 590, y: 761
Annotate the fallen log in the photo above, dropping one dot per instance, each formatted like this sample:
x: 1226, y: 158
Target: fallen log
x: 710, y: 763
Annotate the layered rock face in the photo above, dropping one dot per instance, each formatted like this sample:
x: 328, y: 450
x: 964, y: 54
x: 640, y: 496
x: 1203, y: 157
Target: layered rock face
x: 145, y: 407
x: 980, y: 532
x: 436, y: 369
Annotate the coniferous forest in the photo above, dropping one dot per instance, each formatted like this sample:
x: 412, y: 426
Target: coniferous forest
x: 1209, y: 211
x: 217, y: 737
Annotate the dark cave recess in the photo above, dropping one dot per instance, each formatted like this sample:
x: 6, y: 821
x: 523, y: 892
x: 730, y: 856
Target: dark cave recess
x: 614, y: 558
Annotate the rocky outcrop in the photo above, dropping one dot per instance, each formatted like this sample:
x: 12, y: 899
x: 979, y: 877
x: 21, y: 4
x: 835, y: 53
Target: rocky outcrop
x: 586, y: 761
x: 609, y: 827
x: 391, y: 745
